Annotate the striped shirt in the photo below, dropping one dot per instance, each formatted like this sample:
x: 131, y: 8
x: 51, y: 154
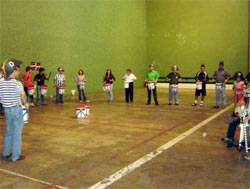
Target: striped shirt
x: 59, y: 78
x: 10, y: 93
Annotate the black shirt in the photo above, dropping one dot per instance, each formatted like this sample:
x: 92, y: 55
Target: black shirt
x: 108, y: 79
x: 40, y: 77
x: 174, y: 78
x: 248, y: 77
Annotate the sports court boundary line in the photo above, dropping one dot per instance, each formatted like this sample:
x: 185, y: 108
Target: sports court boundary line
x: 29, y: 178
x: 138, y: 163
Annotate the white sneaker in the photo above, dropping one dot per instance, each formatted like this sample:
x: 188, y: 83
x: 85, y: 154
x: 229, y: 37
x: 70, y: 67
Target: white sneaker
x: 201, y: 105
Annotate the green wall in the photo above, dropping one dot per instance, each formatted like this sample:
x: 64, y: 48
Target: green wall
x: 191, y: 32
x: 89, y: 34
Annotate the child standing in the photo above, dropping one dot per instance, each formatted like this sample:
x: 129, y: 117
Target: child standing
x: 12, y: 95
x: 109, y: 78
x: 174, y: 77
x: 27, y: 79
x: 80, y: 80
x: 59, y: 82
x: 39, y: 78
x: 129, y: 79
x: 152, y: 77
x: 238, y: 88
x: 201, y: 79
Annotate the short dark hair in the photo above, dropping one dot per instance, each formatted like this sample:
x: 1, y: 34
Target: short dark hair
x: 28, y: 68
x: 129, y: 70
x: 221, y: 63
x: 41, y: 70
x: 203, y: 66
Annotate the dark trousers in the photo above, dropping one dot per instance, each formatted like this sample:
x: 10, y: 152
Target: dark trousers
x: 81, y: 93
x: 129, y: 93
x: 232, y: 128
x: 59, y: 97
x: 30, y: 98
x: 1, y: 108
x: 155, y: 96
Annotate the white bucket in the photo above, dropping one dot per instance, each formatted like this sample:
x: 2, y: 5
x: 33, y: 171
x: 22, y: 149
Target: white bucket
x: 199, y: 85
x: 31, y: 91
x: 73, y: 92
x: 61, y: 90
x: 80, y: 113
x: 87, y: 108
x: 106, y: 87
x: 25, y: 114
x: 44, y: 91
x: 218, y: 86
x: 151, y: 85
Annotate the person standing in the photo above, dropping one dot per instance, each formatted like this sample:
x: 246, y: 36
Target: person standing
x: 81, y: 80
x: 247, y: 79
x: 109, y: 78
x: 221, y: 77
x: 152, y: 77
x: 201, y: 79
x: 129, y: 79
x: 12, y: 95
x: 1, y: 79
x: 27, y: 79
x: 59, y: 82
x: 39, y: 78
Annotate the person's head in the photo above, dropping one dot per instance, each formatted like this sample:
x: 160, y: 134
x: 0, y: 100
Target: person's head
x: 108, y: 72
x: 175, y: 69
x: 80, y: 72
x: 203, y: 67
x: 28, y: 69
x: 221, y: 65
x: 238, y: 78
x: 41, y: 71
x: 10, y: 68
x: 60, y: 70
x: 129, y: 71
x: 151, y: 67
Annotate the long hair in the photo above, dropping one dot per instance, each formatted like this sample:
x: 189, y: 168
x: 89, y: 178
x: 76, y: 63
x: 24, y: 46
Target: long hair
x: 111, y: 75
x: 81, y: 70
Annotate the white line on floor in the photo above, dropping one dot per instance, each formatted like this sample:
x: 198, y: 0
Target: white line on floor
x: 29, y: 178
x: 138, y: 163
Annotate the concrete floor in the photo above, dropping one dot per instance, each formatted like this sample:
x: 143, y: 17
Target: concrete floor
x: 79, y: 153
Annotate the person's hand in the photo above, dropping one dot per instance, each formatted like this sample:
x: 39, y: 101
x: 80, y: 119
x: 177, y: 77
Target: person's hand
x: 226, y: 80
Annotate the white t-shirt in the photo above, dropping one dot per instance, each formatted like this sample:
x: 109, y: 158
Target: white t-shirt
x: 129, y: 78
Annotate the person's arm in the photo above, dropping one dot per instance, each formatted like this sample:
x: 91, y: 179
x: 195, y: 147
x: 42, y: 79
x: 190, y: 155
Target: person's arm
x: 168, y: 77
x: 214, y: 77
x: 180, y: 78
x: 134, y: 79
x: 228, y: 76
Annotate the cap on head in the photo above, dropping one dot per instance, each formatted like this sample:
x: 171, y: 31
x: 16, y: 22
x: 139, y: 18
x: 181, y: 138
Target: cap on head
x: 60, y: 69
x: 9, y: 66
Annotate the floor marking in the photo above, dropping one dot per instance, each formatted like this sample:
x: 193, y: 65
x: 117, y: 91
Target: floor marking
x: 138, y: 163
x: 113, y: 157
x: 29, y: 178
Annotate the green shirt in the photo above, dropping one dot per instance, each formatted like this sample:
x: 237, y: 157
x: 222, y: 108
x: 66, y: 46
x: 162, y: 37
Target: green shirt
x: 152, y: 75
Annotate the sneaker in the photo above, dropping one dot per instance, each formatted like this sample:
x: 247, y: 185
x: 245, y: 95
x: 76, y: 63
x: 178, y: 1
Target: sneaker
x: 216, y: 107
x: 223, y: 107
x: 80, y: 101
x: 20, y: 158
x: 6, y: 157
x: 201, y: 105
x: 169, y: 104
x: 194, y: 104
x: 157, y: 104
x: 177, y: 104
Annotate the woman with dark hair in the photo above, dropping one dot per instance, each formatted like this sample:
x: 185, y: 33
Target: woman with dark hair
x: 28, y: 81
x: 109, y: 78
x: 80, y: 80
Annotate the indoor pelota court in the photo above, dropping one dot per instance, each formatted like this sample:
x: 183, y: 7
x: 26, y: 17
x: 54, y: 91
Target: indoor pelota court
x: 124, y: 94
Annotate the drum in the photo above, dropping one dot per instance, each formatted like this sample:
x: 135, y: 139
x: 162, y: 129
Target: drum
x: 31, y: 90
x: 44, y: 89
x: 107, y: 87
x: 151, y: 85
x: 61, y: 90
x: 80, y: 112
x: 82, y: 87
x: 219, y: 86
x: 126, y: 85
x: 247, y: 92
x: 199, y: 85
x: 87, y: 110
x: 174, y: 88
x: 25, y: 114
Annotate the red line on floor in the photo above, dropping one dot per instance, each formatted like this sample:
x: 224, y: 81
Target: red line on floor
x: 113, y: 157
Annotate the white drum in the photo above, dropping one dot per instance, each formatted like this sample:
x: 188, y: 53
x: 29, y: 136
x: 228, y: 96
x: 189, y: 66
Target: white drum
x: 87, y: 108
x: 174, y: 88
x: 247, y: 92
x: 107, y: 87
x: 82, y: 87
x: 31, y: 91
x: 219, y: 86
x: 44, y: 90
x: 80, y: 112
x: 151, y: 85
x: 126, y: 85
x: 199, y: 85
x: 61, y: 90
x: 25, y: 114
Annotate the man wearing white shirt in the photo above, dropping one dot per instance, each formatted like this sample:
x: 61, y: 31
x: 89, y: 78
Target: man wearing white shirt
x: 129, y: 79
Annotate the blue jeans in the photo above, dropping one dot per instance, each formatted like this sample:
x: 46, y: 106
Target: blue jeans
x: 81, y: 93
x: 13, y: 135
x: 39, y: 95
x: 173, y: 92
x: 1, y: 107
x: 110, y: 96
x: 59, y: 97
x: 220, y: 91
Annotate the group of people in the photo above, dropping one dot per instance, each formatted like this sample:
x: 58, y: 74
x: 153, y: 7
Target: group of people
x: 13, y: 94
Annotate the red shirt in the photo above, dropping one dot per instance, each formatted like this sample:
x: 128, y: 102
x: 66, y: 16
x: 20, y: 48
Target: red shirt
x: 27, y: 77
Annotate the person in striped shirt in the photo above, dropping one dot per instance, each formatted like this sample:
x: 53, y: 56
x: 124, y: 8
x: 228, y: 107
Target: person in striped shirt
x: 12, y: 95
x: 59, y: 82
